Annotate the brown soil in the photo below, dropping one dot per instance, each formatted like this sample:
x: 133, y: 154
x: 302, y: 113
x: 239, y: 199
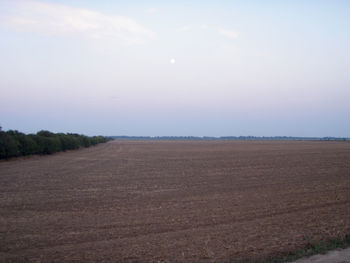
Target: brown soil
x: 171, y: 201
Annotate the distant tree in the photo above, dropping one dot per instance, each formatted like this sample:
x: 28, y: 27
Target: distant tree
x: 45, y: 133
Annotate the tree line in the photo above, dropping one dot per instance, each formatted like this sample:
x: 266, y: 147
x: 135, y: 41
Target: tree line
x: 228, y: 138
x: 14, y: 143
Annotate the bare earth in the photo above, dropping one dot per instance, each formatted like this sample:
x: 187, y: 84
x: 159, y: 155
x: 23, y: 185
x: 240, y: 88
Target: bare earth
x: 174, y: 201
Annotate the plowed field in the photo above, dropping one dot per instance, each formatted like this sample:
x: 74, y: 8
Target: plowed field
x: 199, y: 201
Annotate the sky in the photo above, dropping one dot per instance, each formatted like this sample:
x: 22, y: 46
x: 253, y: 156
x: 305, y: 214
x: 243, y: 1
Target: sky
x: 176, y: 68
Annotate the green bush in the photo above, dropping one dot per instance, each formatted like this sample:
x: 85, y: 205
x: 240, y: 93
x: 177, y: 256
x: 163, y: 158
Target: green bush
x: 8, y: 146
x: 14, y: 143
x: 68, y: 142
x: 48, y: 145
x: 26, y: 145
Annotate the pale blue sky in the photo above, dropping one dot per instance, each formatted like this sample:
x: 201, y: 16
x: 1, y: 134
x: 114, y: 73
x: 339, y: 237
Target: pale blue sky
x: 260, y: 68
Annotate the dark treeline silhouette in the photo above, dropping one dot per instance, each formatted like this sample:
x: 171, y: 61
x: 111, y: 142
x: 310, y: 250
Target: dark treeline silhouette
x: 14, y: 143
x: 229, y: 138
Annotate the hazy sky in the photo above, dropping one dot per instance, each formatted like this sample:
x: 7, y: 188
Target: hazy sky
x: 212, y: 68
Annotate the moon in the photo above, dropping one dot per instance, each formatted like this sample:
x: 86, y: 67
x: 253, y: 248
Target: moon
x: 172, y: 61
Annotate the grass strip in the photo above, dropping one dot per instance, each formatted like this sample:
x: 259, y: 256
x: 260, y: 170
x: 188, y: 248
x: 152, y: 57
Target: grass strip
x: 312, y: 248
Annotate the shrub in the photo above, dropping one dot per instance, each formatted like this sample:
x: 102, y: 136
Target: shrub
x: 8, y: 146
x: 14, y: 143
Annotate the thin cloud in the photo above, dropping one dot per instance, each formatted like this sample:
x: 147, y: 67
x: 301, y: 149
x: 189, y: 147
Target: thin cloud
x: 185, y: 28
x: 61, y: 20
x: 151, y: 10
x: 228, y: 33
